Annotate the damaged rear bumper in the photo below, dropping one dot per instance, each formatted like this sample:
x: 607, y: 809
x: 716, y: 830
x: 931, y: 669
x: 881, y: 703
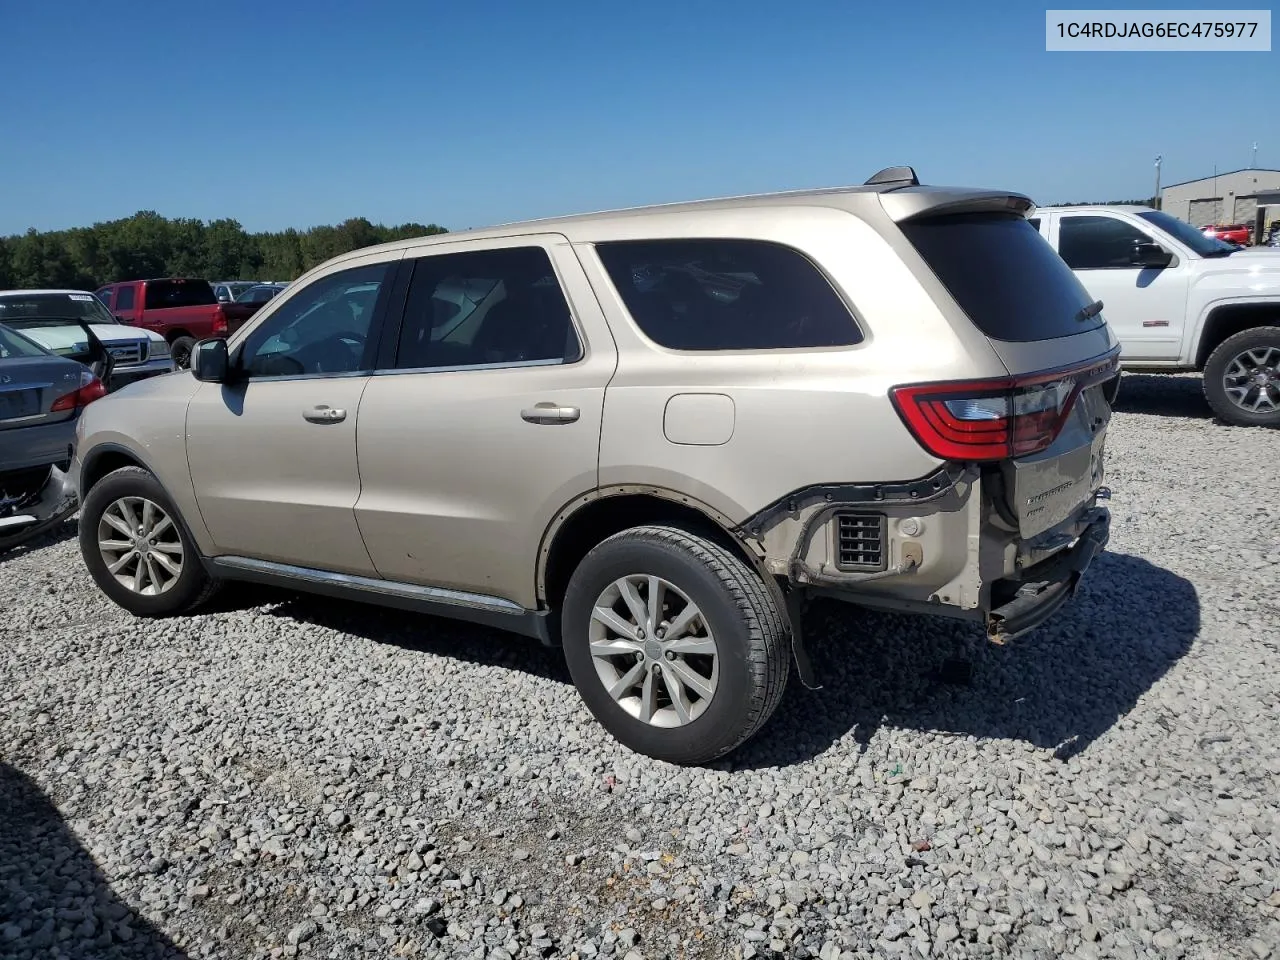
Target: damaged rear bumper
x: 1045, y: 587
x: 30, y: 517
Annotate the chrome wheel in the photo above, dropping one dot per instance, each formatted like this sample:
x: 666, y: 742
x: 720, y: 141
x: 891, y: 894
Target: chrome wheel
x: 653, y: 651
x: 140, y: 546
x: 1252, y: 380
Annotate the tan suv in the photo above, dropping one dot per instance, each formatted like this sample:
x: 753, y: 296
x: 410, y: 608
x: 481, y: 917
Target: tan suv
x: 646, y: 435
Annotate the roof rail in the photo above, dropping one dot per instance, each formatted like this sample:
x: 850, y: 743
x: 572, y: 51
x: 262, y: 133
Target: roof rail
x: 895, y: 175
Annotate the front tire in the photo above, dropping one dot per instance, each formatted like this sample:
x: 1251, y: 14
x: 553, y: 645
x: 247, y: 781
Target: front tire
x: 180, y: 350
x: 1242, y: 378
x: 137, y: 549
x: 675, y: 644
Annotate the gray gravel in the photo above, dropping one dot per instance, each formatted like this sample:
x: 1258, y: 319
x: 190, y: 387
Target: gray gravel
x: 287, y: 776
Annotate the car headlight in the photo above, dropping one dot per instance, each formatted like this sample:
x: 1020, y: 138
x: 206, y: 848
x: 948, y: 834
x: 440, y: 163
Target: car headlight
x: 159, y: 348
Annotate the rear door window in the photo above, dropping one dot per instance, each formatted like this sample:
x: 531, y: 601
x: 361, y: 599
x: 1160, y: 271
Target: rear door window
x: 1003, y: 275
x: 163, y: 294
x: 727, y: 295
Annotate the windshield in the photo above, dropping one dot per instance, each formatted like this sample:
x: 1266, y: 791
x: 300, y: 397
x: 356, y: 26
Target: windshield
x: 1193, y: 238
x: 21, y: 309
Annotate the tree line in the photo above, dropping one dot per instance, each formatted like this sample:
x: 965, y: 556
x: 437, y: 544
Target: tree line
x: 148, y: 245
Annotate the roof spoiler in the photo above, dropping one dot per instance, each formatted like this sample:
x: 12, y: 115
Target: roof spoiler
x: 904, y: 176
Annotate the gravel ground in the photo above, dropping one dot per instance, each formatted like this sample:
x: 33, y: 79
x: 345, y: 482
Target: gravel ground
x: 288, y: 776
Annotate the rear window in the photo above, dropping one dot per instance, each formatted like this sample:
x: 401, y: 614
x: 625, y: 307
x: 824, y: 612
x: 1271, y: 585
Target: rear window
x: 727, y: 295
x: 162, y: 294
x: 14, y: 344
x: 1003, y: 275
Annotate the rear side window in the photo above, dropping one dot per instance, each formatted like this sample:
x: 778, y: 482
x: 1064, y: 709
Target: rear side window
x: 1003, y: 275
x: 124, y: 298
x: 162, y: 294
x: 727, y: 295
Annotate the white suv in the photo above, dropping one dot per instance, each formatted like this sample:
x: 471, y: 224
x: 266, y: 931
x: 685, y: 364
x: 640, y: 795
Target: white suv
x: 647, y: 435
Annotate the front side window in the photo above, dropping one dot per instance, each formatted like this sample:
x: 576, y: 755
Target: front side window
x: 727, y: 295
x: 487, y: 307
x: 1098, y: 243
x: 324, y: 328
x: 124, y: 299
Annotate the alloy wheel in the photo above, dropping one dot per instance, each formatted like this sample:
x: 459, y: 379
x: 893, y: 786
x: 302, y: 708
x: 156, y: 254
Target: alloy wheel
x: 1252, y: 380
x: 653, y: 650
x: 140, y: 546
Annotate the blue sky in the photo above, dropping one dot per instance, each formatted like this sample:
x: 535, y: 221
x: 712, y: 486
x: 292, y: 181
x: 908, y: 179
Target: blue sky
x: 464, y: 114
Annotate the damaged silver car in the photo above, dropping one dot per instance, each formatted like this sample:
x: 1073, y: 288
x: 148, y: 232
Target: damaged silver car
x: 41, y: 398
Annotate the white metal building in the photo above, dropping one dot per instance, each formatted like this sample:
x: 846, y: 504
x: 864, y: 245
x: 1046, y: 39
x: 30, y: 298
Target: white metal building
x: 1230, y: 197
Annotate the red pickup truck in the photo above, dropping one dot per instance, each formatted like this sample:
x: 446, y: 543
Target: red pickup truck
x: 181, y: 309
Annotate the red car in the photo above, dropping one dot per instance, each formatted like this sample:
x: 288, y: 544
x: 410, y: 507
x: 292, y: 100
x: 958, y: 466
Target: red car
x: 182, y: 310
x: 1230, y: 232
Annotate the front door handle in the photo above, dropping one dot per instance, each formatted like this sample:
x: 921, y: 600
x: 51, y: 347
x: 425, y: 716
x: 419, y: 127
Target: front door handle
x: 550, y: 413
x: 323, y: 413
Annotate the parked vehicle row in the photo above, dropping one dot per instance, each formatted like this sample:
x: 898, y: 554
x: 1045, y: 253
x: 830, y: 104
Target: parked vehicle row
x: 181, y: 309
x: 653, y: 436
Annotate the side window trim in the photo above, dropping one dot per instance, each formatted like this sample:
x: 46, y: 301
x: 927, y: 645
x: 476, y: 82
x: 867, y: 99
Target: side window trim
x: 389, y: 348
x: 377, y: 323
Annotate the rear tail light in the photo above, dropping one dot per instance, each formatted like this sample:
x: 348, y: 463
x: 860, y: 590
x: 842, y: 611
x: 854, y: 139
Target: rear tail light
x: 996, y: 419
x: 219, y: 322
x: 90, y: 389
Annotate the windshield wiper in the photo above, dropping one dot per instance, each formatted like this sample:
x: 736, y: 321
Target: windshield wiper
x: 1092, y: 310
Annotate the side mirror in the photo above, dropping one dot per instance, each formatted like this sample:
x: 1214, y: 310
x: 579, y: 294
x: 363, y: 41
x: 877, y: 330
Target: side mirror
x: 209, y: 361
x: 124, y: 320
x: 1149, y: 255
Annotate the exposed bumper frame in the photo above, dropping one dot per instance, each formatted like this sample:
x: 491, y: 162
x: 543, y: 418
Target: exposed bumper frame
x: 1045, y: 587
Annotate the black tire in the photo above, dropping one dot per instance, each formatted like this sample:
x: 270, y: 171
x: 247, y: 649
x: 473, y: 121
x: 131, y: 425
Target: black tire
x: 749, y: 630
x: 1215, y: 370
x: 192, y: 587
x: 181, y: 351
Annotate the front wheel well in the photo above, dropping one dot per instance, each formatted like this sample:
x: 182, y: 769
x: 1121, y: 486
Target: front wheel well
x: 1227, y: 321
x: 104, y: 463
x: 600, y: 519
x: 173, y: 335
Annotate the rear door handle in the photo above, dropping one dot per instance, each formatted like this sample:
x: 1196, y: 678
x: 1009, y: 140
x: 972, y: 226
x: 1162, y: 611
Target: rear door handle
x: 550, y: 413
x: 323, y: 413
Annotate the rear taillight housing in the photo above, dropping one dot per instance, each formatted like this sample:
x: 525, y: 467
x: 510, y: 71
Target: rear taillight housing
x: 90, y: 389
x: 219, y: 323
x: 996, y: 419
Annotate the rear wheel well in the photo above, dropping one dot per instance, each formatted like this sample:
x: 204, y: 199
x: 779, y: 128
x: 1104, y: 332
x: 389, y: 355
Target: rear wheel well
x: 101, y: 465
x: 1232, y: 319
x: 602, y: 518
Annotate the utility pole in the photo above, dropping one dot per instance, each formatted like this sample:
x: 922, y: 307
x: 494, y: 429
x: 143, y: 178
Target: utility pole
x: 1254, y: 165
x: 1157, y: 196
x: 1217, y: 200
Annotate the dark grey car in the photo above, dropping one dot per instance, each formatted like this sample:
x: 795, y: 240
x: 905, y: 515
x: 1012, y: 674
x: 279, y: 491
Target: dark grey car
x: 41, y: 398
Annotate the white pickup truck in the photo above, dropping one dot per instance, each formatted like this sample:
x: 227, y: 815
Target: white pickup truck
x: 1178, y: 300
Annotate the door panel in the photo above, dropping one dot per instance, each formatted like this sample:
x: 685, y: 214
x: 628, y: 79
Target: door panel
x: 273, y: 453
x: 1145, y: 307
x: 483, y: 432
x: 271, y: 484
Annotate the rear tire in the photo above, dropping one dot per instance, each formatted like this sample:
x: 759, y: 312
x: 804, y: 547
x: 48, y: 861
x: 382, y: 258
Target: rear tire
x: 1244, y: 371
x: 180, y: 350
x: 129, y: 524
x: 709, y: 683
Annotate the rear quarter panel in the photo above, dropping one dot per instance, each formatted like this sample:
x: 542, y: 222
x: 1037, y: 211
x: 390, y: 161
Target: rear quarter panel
x: 798, y: 417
